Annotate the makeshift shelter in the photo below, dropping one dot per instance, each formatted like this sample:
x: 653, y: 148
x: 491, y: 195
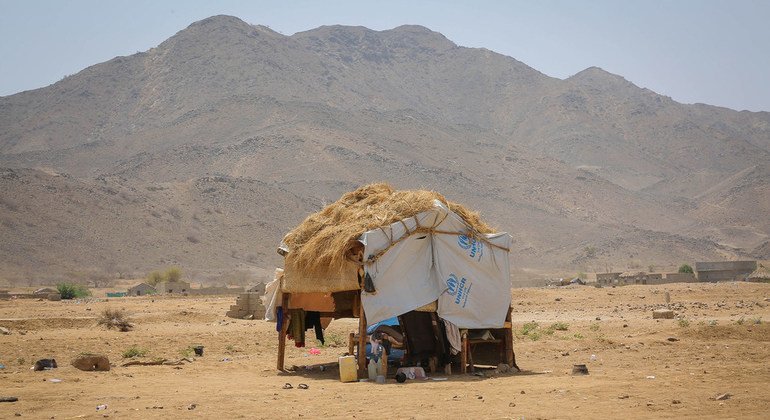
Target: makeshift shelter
x: 378, y: 253
x: 761, y: 274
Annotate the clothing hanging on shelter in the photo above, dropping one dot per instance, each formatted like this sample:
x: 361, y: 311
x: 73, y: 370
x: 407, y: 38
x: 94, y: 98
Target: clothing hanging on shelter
x: 313, y: 319
x: 301, y: 321
x: 297, y: 327
x: 453, y: 337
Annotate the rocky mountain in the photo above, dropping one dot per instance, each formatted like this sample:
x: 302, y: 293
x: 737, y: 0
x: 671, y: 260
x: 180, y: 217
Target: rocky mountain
x: 204, y: 150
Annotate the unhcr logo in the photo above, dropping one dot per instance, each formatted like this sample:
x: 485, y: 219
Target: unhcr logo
x: 475, y: 248
x: 460, y: 289
x: 451, y: 284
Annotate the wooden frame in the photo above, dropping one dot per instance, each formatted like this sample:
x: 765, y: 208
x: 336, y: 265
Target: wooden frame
x: 282, y: 332
x: 505, y: 343
x: 358, y: 310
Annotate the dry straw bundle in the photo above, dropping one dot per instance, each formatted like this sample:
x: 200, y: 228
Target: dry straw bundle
x: 322, y: 241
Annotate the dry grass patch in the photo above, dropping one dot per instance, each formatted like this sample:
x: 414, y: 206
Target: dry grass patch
x: 115, y: 318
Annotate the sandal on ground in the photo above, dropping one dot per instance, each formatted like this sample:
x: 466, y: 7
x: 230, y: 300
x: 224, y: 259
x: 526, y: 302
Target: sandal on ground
x: 287, y: 386
x: 303, y: 386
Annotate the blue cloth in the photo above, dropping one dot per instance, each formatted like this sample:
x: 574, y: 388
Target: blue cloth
x: 389, y: 322
x: 278, y: 318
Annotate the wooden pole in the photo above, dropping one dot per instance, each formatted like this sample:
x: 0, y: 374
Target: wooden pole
x: 361, y: 339
x: 464, y: 354
x: 282, y: 332
x: 510, y: 357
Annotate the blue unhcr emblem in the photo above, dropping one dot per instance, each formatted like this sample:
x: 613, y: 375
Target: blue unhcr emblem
x: 475, y: 248
x: 451, y: 284
x: 459, y: 289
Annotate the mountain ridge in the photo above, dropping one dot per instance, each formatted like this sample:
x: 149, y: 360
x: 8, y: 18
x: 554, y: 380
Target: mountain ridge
x: 589, y: 162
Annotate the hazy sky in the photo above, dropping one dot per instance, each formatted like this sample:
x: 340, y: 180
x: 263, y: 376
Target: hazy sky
x: 710, y: 51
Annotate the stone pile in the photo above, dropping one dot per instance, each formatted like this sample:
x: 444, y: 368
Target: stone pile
x: 247, y: 306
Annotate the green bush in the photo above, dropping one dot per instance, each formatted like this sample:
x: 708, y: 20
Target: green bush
x: 529, y: 327
x: 187, y: 352
x: 559, y: 326
x: 173, y: 274
x: 72, y: 291
x: 134, y: 351
x: 685, y: 268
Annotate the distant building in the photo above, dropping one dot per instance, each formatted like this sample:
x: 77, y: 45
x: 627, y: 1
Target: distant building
x: 141, y: 289
x: 258, y: 288
x: 605, y: 278
x: 215, y: 290
x: 680, y: 278
x: 640, y: 277
x: 724, y: 270
x: 173, y: 287
x: 45, y: 291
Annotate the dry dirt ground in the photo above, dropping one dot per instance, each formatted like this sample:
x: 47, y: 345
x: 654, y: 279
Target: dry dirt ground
x: 638, y: 367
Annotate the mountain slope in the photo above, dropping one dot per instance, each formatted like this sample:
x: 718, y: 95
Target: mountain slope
x: 592, y: 162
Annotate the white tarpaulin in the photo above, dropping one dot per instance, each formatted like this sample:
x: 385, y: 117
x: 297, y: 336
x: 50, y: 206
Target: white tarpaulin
x: 469, y: 277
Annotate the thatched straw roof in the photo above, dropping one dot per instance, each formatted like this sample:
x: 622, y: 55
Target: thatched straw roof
x: 761, y: 273
x: 322, y: 241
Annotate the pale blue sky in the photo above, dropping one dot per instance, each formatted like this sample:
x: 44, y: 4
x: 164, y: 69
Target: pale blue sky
x: 710, y: 51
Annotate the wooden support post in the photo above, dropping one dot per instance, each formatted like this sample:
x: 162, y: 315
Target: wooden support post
x: 510, y: 357
x: 282, y: 332
x: 464, y: 354
x: 361, y: 340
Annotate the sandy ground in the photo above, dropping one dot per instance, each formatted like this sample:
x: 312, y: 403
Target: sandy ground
x: 639, y: 367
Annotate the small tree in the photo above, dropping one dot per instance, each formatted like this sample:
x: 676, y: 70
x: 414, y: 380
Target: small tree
x: 685, y: 268
x: 173, y: 274
x: 154, y: 278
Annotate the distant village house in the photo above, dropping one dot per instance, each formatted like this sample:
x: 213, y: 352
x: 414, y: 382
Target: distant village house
x: 141, y: 289
x: 173, y: 287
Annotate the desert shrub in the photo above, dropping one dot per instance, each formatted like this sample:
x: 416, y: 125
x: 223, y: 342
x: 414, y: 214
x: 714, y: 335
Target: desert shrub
x: 171, y: 274
x: 116, y: 318
x: 334, y: 339
x: 594, y: 327
x: 534, y: 335
x: 559, y: 326
x: 529, y: 327
x: 187, y: 352
x: 72, y: 291
x: 685, y: 268
x: 134, y: 351
x: 684, y: 323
